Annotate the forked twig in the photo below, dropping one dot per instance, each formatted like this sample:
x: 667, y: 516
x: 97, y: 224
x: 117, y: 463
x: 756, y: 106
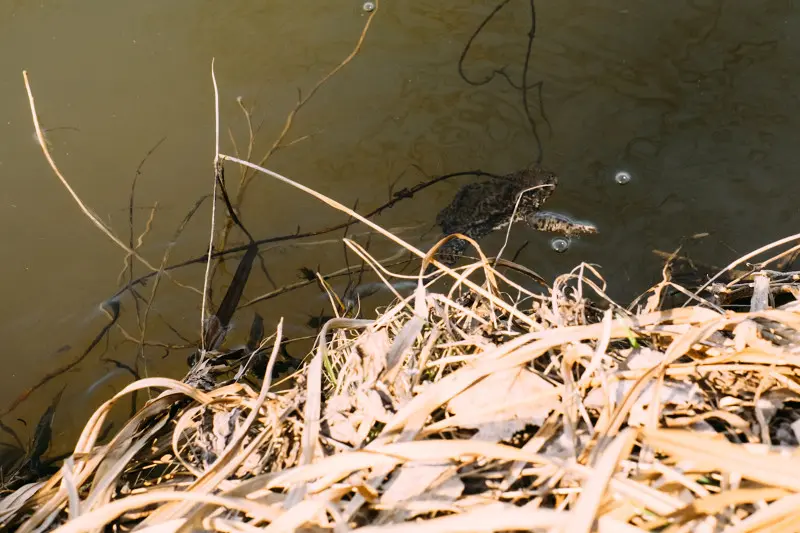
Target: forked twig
x: 164, y: 259
x: 128, y: 265
x: 302, y: 101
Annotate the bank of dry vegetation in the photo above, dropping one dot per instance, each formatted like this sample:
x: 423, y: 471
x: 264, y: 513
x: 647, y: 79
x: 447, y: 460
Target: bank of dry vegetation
x: 475, y: 404
x: 471, y: 409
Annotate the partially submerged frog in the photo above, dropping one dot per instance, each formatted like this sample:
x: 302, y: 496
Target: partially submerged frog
x: 481, y: 208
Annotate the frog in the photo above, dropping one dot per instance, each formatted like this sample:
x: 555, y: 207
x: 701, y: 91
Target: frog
x: 479, y: 208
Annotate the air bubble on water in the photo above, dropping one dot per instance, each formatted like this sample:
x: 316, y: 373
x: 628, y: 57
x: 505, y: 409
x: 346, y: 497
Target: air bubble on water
x: 369, y: 6
x: 622, y: 177
x: 559, y: 244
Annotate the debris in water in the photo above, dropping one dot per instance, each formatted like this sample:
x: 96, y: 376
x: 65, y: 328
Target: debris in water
x: 256, y: 333
x: 369, y: 7
x: 43, y: 434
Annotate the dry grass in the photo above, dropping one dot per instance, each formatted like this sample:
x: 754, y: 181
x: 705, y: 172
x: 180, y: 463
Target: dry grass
x: 475, y: 404
x: 448, y: 413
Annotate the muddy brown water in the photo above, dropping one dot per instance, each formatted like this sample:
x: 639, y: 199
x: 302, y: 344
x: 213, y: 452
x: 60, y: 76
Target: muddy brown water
x: 696, y: 100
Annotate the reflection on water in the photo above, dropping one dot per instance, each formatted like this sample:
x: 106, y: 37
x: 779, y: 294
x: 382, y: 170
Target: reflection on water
x: 697, y: 101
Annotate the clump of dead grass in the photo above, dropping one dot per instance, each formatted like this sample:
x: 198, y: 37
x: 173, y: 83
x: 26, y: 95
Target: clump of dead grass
x: 451, y: 413
x: 475, y: 404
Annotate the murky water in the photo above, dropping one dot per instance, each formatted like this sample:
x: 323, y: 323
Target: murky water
x: 696, y: 101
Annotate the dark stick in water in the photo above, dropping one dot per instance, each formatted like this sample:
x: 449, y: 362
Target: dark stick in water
x: 218, y: 323
x: 400, y: 195
x: 524, y: 88
x: 112, y: 308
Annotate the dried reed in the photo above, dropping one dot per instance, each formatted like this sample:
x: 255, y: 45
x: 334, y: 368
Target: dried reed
x: 448, y: 413
x: 481, y: 405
